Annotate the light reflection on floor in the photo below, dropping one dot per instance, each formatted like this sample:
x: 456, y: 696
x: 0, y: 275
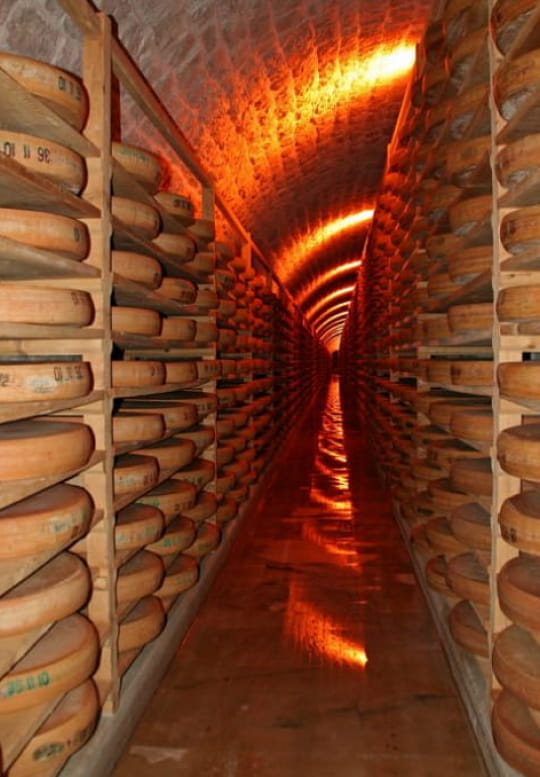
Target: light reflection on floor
x: 314, y: 627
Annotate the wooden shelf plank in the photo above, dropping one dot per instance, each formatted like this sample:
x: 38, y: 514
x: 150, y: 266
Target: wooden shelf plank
x: 19, y: 188
x: 13, y: 648
x: 133, y: 294
x: 16, y: 410
x: 479, y: 289
x: 40, y: 332
x: 21, y: 110
x: 166, y: 388
x: 23, y: 262
x: 15, y: 490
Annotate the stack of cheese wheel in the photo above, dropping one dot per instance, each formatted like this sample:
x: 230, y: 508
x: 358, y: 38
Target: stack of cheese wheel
x: 200, y: 472
x: 170, y: 498
x: 516, y: 79
x: 143, y: 623
x: 51, y: 160
x: 207, y: 539
x: 178, y: 536
x: 171, y: 454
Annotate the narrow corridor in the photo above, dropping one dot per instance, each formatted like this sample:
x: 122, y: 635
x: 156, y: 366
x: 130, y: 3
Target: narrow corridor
x: 314, y: 653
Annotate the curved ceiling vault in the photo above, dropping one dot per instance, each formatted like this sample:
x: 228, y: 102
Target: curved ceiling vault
x: 290, y: 104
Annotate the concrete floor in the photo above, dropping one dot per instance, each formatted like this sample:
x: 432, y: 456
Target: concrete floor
x: 314, y: 654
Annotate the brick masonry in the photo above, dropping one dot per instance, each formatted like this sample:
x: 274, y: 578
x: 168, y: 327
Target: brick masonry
x: 237, y: 76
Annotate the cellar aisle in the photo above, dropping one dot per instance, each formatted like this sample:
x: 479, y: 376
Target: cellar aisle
x: 314, y: 653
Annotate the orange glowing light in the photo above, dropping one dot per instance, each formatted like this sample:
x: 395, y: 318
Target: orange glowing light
x: 296, y: 253
x: 311, y: 313
x: 326, y: 277
x: 325, y: 316
x: 318, y: 633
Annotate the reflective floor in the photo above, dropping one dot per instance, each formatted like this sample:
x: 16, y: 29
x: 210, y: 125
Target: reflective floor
x: 314, y: 654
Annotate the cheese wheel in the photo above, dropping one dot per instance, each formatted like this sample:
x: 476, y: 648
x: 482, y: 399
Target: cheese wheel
x: 224, y: 482
x: 182, y: 574
x: 203, y: 509
x: 135, y: 321
x: 141, y: 625
x: 441, y: 537
x: 178, y: 289
x: 62, y: 659
x: 516, y: 734
x: 54, y: 162
x: 440, y: 411
x: 518, y: 379
x: 518, y: 586
x: 180, y: 372
x: 467, y: 263
x: 22, y: 304
x: 519, y: 303
x: 45, y: 522
x: 472, y: 372
x: 436, y: 328
x: 171, y: 497
x: 518, y: 451
x: 467, y: 629
x: 469, y: 579
x: 439, y: 371
x: 137, y: 525
x: 144, y: 166
x: 176, y: 415
x: 203, y: 230
x: 206, y: 299
x: 203, y: 263
x: 225, y: 280
x: 200, y: 472
x: 224, y: 454
x: 181, y: 247
x: 179, y: 205
x: 472, y: 102
x: 178, y: 328
x: 47, y: 231
x: 441, y: 285
x: 474, y: 424
x: 518, y: 161
x: 436, y: 576
x: 515, y: 80
x: 140, y: 576
x: 445, y: 496
x: 208, y: 538
x: 136, y: 427
x: 137, y: 267
x: 200, y: 436
x: 520, y: 229
x: 443, y: 452
x: 463, y: 158
x: 54, y: 591
x: 471, y: 525
x: 43, y: 448
x: 239, y: 493
x: 134, y: 473
x: 136, y: 374
x: 142, y: 219
x: 470, y: 49
x: 170, y: 454
x: 64, y: 732
x: 204, y: 402
x: 227, y: 510
x: 237, y: 468
x: 474, y: 317
x: 208, y: 369
x: 206, y: 332
x: 519, y: 519
x: 178, y: 536
x: 472, y: 476
x: 467, y: 214
x: 507, y: 19
x: 516, y: 663
x: 224, y: 427
x: 44, y: 381
x: 59, y: 90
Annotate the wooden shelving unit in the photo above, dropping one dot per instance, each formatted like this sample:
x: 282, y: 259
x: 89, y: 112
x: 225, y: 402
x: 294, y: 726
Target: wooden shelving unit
x: 242, y: 415
x: 429, y: 387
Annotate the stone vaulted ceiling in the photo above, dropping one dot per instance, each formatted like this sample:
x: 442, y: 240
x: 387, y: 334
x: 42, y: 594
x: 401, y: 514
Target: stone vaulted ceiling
x: 276, y: 98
